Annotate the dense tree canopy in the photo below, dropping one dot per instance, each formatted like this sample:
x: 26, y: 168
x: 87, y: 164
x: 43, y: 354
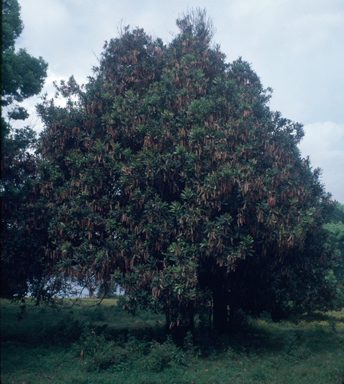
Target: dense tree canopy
x: 334, y: 227
x: 22, y: 76
x: 170, y: 173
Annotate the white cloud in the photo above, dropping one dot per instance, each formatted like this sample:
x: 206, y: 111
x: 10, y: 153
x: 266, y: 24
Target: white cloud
x: 295, y: 47
x: 310, y: 32
x: 324, y: 144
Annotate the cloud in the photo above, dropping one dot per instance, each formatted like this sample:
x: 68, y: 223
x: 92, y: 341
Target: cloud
x: 324, y: 144
x: 295, y: 47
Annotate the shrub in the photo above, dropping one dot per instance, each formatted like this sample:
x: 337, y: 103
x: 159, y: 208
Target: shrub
x: 164, y: 355
x: 64, y: 332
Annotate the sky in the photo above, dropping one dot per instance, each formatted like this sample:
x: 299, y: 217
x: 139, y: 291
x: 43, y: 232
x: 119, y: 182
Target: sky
x: 295, y: 46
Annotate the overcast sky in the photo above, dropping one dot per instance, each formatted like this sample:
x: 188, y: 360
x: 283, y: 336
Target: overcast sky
x: 295, y: 46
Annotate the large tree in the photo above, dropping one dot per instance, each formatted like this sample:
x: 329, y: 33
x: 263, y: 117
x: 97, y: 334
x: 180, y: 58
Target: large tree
x: 22, y: 76
x: 169, y: 172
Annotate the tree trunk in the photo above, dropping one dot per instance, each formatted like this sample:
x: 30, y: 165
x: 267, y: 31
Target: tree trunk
x: 277, y: 313
x: 179, y: 329
x: 220, y: 315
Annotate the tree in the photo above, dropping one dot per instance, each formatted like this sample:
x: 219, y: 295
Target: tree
x: 171, y: 174
x: 22, y: 76
x: 334, y: 227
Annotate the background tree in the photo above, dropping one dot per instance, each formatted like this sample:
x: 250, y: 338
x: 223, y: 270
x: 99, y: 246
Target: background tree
x: 22, y: 76
x: 334, y: 227
x: 171, y: 174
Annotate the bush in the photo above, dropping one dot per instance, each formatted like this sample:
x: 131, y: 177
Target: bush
x: 101, y: 353
x: 64, y: 332
x: 98, y: 352
x: 164, y: 355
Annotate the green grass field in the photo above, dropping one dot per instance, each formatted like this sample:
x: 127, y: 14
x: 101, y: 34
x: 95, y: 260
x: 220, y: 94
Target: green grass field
x: 82, y: 343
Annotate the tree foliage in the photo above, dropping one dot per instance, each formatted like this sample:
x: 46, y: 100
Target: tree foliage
x: 334, y: 227
x: 22, y: 76
x: 171, y: 174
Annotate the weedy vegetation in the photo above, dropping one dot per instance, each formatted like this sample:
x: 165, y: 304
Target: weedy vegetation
x: 84, y: 343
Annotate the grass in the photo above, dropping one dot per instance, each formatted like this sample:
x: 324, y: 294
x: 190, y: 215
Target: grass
x: 87, y: 344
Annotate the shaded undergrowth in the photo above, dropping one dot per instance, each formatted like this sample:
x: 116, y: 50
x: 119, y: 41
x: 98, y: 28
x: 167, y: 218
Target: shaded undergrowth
x: 85, y: 343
